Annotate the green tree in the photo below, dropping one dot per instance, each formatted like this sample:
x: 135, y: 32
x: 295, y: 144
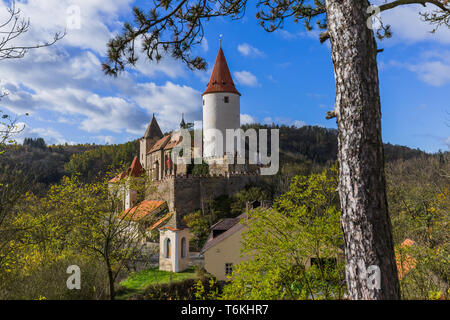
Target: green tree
x: 280, y: 244
x: 89, y: 220
x: 418, y: 193
x: 250, y: 193
x: 96, y: 163
x: 12, y: 190
x: 199, y: 226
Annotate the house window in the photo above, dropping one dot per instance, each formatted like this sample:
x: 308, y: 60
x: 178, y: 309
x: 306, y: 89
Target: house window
x: 183, y: 247
x: 226, y: 99
x: 167, y: 249
x: 228, y: 268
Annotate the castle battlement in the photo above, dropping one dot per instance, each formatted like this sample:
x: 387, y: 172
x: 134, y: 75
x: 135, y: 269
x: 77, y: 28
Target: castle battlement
x: 210, y: 176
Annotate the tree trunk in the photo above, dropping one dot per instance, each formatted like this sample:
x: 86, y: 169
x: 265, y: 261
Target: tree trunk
x: 362, y: 187
x: 112, y: 292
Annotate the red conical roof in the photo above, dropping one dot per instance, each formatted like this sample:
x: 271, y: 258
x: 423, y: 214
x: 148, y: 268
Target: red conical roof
x: 221, y: 80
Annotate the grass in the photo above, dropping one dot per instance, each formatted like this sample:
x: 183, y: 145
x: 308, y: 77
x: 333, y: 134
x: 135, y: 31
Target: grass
x: 138, y: 281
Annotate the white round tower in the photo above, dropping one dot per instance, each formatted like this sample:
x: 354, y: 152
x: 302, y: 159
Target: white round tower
x: 221, y: 109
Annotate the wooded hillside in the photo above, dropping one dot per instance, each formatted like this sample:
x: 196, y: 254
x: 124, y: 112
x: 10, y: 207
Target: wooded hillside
x: 46, y: 165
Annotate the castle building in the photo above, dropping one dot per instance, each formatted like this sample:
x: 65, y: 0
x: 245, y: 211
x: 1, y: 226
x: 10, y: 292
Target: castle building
x: 177, y: 191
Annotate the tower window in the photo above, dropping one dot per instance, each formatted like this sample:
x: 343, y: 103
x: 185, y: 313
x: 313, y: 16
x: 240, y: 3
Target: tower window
x: 203, y: 101
x: 226, y: 99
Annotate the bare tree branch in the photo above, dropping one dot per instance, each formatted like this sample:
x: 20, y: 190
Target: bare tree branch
x: 438, y: 3
x: 13, y: 28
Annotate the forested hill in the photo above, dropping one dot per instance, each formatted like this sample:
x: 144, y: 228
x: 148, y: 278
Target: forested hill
x: 97, y: 162
x: 46, y: 165
x: 319, y: 145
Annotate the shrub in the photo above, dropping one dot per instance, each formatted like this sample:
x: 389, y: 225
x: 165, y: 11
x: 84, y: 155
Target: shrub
x: 189, y: 289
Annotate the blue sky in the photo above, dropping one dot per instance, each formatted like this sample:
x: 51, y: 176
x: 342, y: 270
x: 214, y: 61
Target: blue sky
x: 284, y: 77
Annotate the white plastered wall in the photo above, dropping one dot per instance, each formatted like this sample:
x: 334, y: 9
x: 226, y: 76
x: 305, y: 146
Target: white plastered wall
x: 219, y: 115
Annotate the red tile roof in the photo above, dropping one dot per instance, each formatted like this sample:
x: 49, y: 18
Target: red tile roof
x: 173, y: 143
x: 160, y: 221
x: 170, y: 228
x: 143, y: 209
x: 405, y: 263
x: 119, y: 177
x: 221, y: 80
x: 161, y: 143
x: 135, y: 170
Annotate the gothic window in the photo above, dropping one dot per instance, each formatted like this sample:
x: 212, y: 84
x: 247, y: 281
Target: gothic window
x: 183, y: 247
x: 226, y: 99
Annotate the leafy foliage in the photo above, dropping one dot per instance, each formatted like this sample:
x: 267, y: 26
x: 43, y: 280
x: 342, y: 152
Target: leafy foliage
x: 43, y: 165
x: 97, y: 162
x: 199, y: 226
x: 200, y: 169
x: 418, y: 193
x: 220, y: 208
x: 74, y: 218
x: 280, y: 243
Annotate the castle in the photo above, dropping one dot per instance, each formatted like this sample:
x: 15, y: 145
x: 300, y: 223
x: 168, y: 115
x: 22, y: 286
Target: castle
x: 175, y: 191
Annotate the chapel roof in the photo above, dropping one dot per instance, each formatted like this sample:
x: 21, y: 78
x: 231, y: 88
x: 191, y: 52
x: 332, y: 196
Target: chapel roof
x: 143, y: 209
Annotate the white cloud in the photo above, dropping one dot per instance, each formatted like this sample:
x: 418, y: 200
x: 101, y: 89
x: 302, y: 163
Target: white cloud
x: 433, y: 68
x: 247, y: 50
x: 204, y: 44
x: 168, y: 102
x: 313, y: 34
x: 247, y: 119
x: 50, y: 136
x: 50, y: 16
x: 246, y: 78
x: 286, y: 34
x: 105, y: 139
x: 284, y: 121
x: 408, y: 26
x: 435, y: 73
x: 69, y: 84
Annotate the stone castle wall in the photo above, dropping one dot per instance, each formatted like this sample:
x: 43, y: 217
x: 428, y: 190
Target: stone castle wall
x: 185, y: 194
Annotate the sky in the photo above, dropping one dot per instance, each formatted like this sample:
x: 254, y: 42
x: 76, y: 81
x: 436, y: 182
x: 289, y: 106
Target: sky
x: 285, y: 77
